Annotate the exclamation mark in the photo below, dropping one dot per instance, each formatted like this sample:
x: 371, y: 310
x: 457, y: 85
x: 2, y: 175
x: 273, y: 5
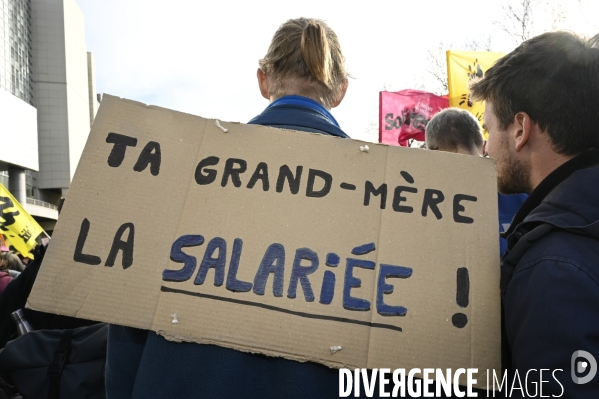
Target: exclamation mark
x: 463, y: 281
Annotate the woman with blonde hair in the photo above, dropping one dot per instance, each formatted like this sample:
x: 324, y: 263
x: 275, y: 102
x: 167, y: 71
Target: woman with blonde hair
x: 303, y: 76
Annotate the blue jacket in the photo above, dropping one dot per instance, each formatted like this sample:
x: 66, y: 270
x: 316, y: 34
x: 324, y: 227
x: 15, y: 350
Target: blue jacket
x: 550, y: 281
x: 141, y: 365
x: 299, y: 113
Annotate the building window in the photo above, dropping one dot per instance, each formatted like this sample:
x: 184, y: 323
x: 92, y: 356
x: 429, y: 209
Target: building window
x: 15, y: 35
x: 31, y: 183
x: 4, y: 178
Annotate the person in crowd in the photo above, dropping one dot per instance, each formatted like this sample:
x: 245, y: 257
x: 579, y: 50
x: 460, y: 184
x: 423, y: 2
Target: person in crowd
x: 4, y: 256
x: 302, y: 85
x: 303, y: 76
x: 5, y: 277
x: 15, y: 297
x: 457, y: 130
x: 15, y: 267
x: 24, y: 259
x: 541, y: 114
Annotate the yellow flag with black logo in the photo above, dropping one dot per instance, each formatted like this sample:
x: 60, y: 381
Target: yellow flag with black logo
x: 17, y: 224
x: 462, y: 67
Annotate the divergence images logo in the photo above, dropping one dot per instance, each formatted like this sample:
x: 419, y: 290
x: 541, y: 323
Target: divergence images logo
x: 579, y: 366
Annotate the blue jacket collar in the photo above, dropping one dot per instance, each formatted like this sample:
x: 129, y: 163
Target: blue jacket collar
x: 306, y: 103
x: 299, y: 113
x: 566, y: 198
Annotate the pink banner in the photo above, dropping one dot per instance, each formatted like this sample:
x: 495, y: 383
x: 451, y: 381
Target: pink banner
x: 403, y: 115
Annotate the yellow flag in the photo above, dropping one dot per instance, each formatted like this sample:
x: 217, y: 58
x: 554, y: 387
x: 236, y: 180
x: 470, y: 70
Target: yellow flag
x: 18, y: 225
x: 463, y: 66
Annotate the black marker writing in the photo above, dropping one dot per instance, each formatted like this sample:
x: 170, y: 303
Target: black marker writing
x: 460, y: 320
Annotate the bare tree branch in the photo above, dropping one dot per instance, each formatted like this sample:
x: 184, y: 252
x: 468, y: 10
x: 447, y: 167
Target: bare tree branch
x: 437, y: 68
x: 524, y: 19
x: 436, y: 61
x: 481, y: 43
x: 516, y: 20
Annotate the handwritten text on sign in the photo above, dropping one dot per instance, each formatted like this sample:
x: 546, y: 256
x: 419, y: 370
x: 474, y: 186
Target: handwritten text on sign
x: 273, y: 261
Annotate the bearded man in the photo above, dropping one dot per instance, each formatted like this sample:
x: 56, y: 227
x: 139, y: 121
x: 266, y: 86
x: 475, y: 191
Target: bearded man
x: 542, y: 115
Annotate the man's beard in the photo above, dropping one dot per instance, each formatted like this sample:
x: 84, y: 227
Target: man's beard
x: 513, y: 177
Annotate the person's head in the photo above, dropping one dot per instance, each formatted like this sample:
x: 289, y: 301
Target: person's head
x: 305, y: 59
x: 24, y: 260
x: 14, y: 263
x: 4, y: 261
x: 454, y: 130
x: 541, y: 107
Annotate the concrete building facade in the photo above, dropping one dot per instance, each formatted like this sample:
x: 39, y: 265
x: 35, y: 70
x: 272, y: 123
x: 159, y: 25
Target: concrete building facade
x: 47, y: 101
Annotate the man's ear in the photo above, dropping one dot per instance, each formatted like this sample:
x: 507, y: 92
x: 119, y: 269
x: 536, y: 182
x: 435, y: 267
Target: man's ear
x: 263, y: 83
x: 523, y: 126
x: 342, y: 92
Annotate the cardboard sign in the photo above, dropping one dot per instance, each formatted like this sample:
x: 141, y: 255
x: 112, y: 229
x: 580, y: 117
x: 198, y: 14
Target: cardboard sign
x: 279, y: 242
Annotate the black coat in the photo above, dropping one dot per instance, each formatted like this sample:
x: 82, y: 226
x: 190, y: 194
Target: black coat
x: 550, y: 281
x: 15, y: 296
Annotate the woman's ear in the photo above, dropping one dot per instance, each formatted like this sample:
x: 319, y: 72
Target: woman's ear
x: 263, y: 83
x: 342, y: 92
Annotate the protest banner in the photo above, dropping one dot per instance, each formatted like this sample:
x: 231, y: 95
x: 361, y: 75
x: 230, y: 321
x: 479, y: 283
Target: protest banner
x: 278, y: 242
x: 17, y: 224
x: 462, y: 67
x: 403, y: 115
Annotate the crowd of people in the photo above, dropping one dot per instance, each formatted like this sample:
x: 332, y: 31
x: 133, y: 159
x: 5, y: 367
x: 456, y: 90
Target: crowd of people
x: 542, y: 115
x: 11, y: 266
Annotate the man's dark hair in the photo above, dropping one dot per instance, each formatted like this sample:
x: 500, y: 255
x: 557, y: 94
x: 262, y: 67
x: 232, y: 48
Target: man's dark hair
x: 453, y: 128
x: 554, y: 78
